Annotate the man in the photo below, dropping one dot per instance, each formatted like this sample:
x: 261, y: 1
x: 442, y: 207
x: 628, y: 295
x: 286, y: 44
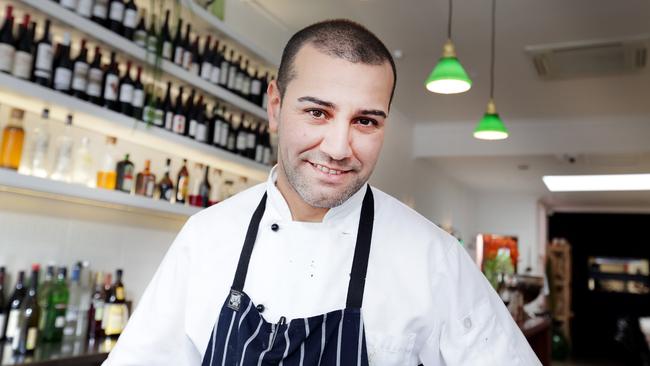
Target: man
x: 315, y: 266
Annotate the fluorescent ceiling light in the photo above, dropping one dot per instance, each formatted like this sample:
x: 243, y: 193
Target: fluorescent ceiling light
x: 594, y: 183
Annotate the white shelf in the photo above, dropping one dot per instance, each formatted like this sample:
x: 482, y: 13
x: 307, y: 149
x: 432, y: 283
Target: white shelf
x: 11, y: 181
x: 32, y: 97
x: 112, y: 40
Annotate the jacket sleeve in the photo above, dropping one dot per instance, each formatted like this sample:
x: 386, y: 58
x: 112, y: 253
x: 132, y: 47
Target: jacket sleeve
x: 155, y: 334
x: 475, y: 327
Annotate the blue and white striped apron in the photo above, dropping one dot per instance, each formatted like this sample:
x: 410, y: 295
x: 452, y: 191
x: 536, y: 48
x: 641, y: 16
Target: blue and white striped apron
x: 242, y: 337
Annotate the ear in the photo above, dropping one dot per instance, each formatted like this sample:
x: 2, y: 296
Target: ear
x: 273, y: 106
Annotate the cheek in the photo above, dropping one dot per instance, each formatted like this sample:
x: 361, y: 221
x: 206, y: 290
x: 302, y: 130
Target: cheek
x: 367, y: 147
x: 299, y: 136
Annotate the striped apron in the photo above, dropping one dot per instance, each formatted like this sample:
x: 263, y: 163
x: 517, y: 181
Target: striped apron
x: 241, y: 336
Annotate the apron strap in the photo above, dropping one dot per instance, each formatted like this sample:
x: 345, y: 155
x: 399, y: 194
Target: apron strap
x: 361, y: 252
x: 249, y: 243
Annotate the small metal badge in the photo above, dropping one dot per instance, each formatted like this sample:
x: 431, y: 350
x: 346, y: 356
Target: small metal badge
x: 234, y: 302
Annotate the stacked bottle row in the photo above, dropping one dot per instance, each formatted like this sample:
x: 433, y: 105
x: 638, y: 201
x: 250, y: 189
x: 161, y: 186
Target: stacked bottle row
x: 186, y: 114
x: 73, y: 162
x: 85, y: 306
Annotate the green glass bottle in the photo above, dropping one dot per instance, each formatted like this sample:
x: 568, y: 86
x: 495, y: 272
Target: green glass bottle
x: 57, y: 303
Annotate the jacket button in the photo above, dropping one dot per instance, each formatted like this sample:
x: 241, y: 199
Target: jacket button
x: 275, y: 227
x: 260, y: 308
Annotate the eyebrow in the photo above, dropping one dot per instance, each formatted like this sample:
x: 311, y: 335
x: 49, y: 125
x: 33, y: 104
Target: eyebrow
x: 365, y: 112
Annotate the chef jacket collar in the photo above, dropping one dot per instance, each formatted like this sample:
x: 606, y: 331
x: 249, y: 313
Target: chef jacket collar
x: 341, y: 212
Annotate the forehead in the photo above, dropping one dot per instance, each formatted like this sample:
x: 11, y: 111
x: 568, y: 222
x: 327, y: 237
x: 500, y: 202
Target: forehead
x: 339, y: 80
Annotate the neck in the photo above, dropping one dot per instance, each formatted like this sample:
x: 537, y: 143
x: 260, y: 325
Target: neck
x: 300, y: 210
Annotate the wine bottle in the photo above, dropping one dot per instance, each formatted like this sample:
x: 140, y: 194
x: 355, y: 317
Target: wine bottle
x: 266, y: 160
x: 189, y: 111
x: 193, y: 115
x: 246, y: 82
x: 226, y: 131
x: 187, y: 51
x: 126, y: 92
x: 69, y: 4
x: 182, y: 183
x: 166, y: 39
x: 125, y: 170
x: 216, y: 64
x: 85, y: 8
x: 159, y: 113
x: 204, y: 189
x: 179, y: 49
x: 22, y: 64
x: 111, y: 85
x: 26, y: 338
x: 145, y: 182
x: 43, y: 58
x: 256, y: 89
x: 149, y: 109
x: 239, y: 80
x: 233, y: 132
x: 55, y: 308
x: 138, y: 96
x: 233, y: 70
x: 165, y: 188
x: 195, y: 60
x: 259, y: 146
x: 7, y: 42
x: 63, y: 68
x: 251, y: 142
x: 168, y: 108
x: 116, y: 16
x: 206, y: 60
x: 96, y: 312
x: 216, y: 126
x: 13, y: 307
x: 179, y: 120
x: 80, y: 73
x: 140, y: 33
x: 265, y: 86
x: 100, y: 12
x: 242, y: 137
x: 130, y: 19
x: 201, y: 133
x: 224, y: 68
x: 95, y: 79
x: 152, y: 36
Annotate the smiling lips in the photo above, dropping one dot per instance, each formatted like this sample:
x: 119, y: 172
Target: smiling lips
x: 327, y: 170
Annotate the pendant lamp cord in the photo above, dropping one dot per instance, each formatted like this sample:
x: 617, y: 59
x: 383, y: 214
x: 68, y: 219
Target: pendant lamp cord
x: 449, y: 20
x: 492, y: 50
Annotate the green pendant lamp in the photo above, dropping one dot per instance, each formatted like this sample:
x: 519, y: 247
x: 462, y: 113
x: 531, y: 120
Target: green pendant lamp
x: 448, y: 77
x: 491, y: 127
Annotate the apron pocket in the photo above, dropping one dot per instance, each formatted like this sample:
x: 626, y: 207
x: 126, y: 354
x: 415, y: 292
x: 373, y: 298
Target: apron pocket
x: 389, y: 349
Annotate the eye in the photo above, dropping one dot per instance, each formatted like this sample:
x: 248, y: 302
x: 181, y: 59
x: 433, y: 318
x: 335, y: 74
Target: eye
x: 316, y: 113
x: 367, y: 122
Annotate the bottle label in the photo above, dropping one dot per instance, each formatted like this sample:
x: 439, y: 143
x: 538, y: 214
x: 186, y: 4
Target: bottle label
x: 178, y: 124
x: 140, y: 38
x: 22, y: 65
x: 117, y: 11
x: 111, y: 87
x: 239, y: 82
x: 246, y: 86
x: 126, y: 93
x: 148, y: 114
x: 206, y: 70
x: 99, y: 310
x: 225, y: 131
x: 201, y: 132
x: 70, y: 4
x: 149, y: 188
x: 80, y: 76
x: 127, y: 184
x: 119, y: 293
x: 187, y: 59
x: 194, y: 68
x: 241, y: 141
x: 158, y: 117
x: 44, y: 59
x: 32, y: 334
x: 178, y: 55
x: 169, y: 120
x: 167, y: 194
x: 193, y: 125
x: 152, y: 43
x: 223, y: 78
x: 138, y: 98
x: 256, y: 87
x: 62, y: 78
x: 130, y: 18
x: 116, y: 316
x: 167, y: 50
x: 12, y: 323
x: 84, y: 8
x: 94, y: 82
x: 265, y: 100
x: 215, y: 75
x: 216, y: 136
x: 59, y: 322
x: 232, y: 77
x: 99, y: 10
x: 6, y: 57
x: 259, y: 153
x: 250, y: 143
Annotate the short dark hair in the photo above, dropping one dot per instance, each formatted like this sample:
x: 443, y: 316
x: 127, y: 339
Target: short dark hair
x: 340, y: 38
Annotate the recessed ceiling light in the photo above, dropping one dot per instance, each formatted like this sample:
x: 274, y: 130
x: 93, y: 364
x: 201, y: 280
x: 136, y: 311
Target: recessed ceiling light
x: 596, y: 183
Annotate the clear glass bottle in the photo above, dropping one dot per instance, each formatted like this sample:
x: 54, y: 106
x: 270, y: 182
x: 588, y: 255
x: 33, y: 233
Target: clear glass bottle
x: 13, y: 137
x: 40, y: 146
x: 83, y: 164
x: 107, y: 176
x: 62, y: 169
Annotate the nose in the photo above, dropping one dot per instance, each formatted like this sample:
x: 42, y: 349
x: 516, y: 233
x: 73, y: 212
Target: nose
x: 337, y: 141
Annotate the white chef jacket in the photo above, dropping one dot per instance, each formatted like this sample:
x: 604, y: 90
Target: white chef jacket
x: 425, y: 301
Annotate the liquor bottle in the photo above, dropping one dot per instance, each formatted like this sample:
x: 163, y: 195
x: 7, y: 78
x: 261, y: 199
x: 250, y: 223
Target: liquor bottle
x: 251, y: 142
x: 166, y: 39
x: 85, y: 297
x: 62, y: 168
x: 125, y: 170
x: 195, y: 59
x: 256, y: 89
x: 179, y: 121
x: 106, y: 176
x: 71, y: 315
x: 95, y: 79
x: 23, y: 56
x: 178, y: 45
x: 7, y: 42
x: 40, y: 146
x: 63, y: 66
x: 13, y: 308
x: 140, y: 33
x: 242, y: 137
x: 13, y: 136
x: 80, y: 73
x: 182, y: 183
x: 145, y: 182
x: 152, y: 36
x: 126, y: 92
x: 216, y: 64
x: 111, y: 85
x: 187, y: 51
x: 26, y: 337
x: 56, y: 304
x: 96, y: 311
x: 83, y: 168
x: 44, y: 292
x: 69, y: 4
x: 85, y: 8
x: 168, y: 108
x: 116, y: 16
x: 225, y: 68
x: 165, y: 188
x: 233, y: 70
x: 115, y: 312
x: 137, y: 102
x: 100, y: 12
x: 130, y: 19
x: 194, y: 113
x: 43, y: 58
x: 206, y: 60
x: 204, y: 189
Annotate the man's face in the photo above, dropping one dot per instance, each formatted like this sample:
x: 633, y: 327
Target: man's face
x: 330, y: 125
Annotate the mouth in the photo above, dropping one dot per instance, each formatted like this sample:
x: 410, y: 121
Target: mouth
x: 327, y: 170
